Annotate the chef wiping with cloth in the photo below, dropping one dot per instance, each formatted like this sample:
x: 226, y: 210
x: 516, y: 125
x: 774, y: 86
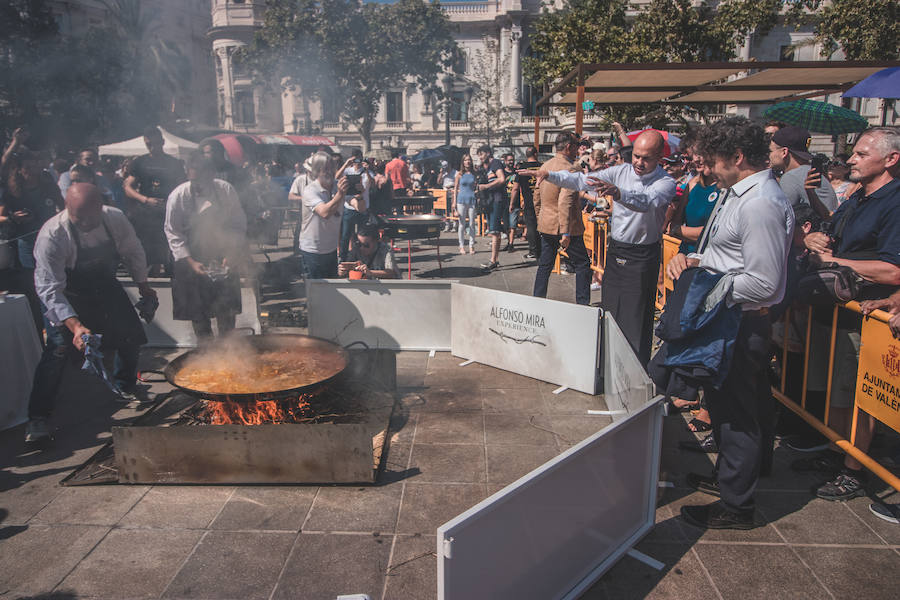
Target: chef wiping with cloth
x: 76, y: 255
x: 207, y: 232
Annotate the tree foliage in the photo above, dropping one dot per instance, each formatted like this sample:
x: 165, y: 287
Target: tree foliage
x: 351, y: 53
x: 487, y: 115
x: 863, y: 29
x: 589, y: 31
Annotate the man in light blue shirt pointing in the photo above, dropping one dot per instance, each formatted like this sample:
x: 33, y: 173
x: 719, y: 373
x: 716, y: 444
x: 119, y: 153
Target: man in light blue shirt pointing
x: 640, y: 192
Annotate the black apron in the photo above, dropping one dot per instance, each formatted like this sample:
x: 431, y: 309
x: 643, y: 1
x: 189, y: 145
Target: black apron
x: 197, y: 297
x: 97, y: 296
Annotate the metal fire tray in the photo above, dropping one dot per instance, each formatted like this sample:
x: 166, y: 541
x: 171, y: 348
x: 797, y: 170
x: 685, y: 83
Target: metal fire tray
x: 347, y: 450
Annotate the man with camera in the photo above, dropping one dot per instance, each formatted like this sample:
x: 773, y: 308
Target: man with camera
x: 788, y: 153
x: 356, y: 204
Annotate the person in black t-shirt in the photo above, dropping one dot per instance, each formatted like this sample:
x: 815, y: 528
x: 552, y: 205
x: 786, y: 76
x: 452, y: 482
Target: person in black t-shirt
x: 523, y: 192
x: 492, y: 182
x: 151, y: 178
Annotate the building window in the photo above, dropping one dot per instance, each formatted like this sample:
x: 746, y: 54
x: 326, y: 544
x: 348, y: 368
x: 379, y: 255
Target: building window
x: 330, y: 112
x: 786, y: 53
x: 460, y: 64
x: 393, y: 103
x: 244, y: 110
x: 221, y: 108
x: 459, y: 110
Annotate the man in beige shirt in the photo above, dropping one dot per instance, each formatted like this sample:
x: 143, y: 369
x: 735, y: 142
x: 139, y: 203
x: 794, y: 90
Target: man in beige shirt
x: 560, y: 225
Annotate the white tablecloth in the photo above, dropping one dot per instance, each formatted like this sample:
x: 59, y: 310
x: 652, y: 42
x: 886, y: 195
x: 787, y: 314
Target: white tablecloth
x: 20, y: 351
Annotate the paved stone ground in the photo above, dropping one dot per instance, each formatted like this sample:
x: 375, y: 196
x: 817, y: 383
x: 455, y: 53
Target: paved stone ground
x: 463, y: 435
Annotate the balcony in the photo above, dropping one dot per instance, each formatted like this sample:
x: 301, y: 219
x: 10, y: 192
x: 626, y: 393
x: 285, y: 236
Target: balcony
x: 470, y: 8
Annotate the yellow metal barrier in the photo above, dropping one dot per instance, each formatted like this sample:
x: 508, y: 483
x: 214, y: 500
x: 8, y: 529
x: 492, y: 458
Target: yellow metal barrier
x: 877, y: 389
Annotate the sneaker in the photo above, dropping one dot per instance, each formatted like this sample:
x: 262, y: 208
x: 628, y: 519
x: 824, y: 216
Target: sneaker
x: 490, y: 266
x: 510, y: 247
x: 703, y: 483
x: 503, y: 236
x: 826, y: 462
x: 595, y: 287
x: 803, y: 443
x: 531, y: 256
x: 716, y: 516
x: 36, y: 431
x: 566, y: 268
x: 888, y: 512
x: 846, y: 485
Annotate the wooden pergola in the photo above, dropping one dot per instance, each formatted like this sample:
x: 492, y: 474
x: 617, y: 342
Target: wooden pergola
x: 702, y: 83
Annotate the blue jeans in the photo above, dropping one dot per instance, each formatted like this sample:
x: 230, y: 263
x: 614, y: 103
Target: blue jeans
x: 350, y: 220
x: 319, y: 266
x: 499, y: 222
x: 58, y: 351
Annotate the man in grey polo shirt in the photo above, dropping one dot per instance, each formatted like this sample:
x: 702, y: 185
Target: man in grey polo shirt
x: 748, y: 237
x: 788, y: 152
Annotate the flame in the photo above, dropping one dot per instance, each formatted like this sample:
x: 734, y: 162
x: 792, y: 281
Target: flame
x: 292, y: 410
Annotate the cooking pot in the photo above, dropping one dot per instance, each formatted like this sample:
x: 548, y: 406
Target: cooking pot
x: 251, y: 347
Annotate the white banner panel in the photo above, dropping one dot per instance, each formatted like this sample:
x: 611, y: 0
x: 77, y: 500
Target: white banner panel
x: 21, y: 351
x: 548, y: 340
x: 626, y: 386
x: 165, y: 332
x: 395, y: 314
x: 555, y: 531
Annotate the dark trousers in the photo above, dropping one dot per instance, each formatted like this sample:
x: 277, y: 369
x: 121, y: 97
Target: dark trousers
x: 58, y: 351
x: 319, y: 266
x: 350, y: 220
x: 577, y: 256
x: 629, y: 291
x: 531, y: 232
x: 742, y: 413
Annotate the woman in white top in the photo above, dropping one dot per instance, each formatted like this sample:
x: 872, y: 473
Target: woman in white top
x: 323, y: 205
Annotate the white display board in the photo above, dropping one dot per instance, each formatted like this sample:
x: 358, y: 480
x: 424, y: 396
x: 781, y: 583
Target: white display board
x: 555, y: 531
x: 165, y: 332
x: 626, y: 386
x: 557, y: 342
x: 394, y: 314
x: 20, y: 350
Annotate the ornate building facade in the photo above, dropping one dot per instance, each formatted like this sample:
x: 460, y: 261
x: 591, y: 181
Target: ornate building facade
x: 494, y: 38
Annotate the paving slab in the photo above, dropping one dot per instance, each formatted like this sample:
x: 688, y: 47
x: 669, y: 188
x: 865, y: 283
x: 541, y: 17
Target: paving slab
x: 178, y: 507
x: 682, y: 576
x: 443, y: 400
x: 426, y: 506
x: 328, y: 565
x: 412, y: 574
x: 572, y: 429
x: 34, y: 559
x: 84, y: 505
x: 450, y: 428
x: 267, y: 508
x: 758, y: 571
x: 132, y: 563
x: 449, y: 463
x: 764, y: 532
x: 359, y: 509
x: 232, y: 564
x: 805, y: 526
x: 506, y: 464
x: 522, y: 429
x: 889, y: 532
x: 527, y: 401
x: 849, y: 573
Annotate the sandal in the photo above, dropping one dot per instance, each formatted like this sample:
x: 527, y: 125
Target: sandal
x: 698, y: 426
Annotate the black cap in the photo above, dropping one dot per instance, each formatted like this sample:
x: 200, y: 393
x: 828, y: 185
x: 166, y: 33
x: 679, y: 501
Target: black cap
x: 673, y: 158
x: 795, y: 139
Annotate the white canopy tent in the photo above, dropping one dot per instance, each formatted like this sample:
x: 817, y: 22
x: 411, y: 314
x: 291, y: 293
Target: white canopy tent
x: 172, y: 144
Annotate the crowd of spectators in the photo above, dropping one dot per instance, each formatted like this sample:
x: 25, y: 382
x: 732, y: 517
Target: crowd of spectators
x: 841, y: 214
